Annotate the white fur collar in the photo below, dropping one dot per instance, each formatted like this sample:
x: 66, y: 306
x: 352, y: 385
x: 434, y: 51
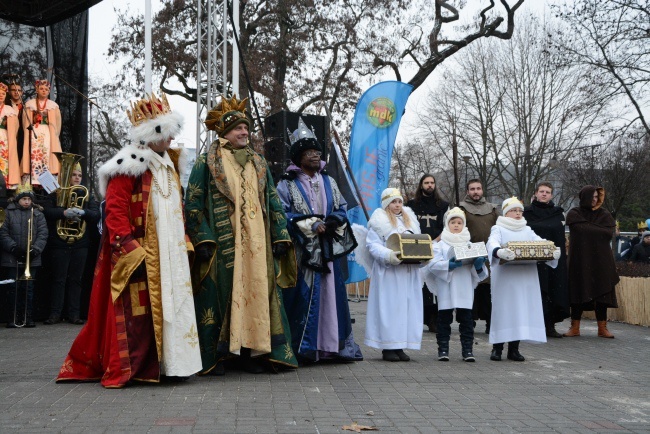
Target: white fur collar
x: 455, y: 239
x: 133, y: 160
x: 511, y: 224
x: 380, y: 223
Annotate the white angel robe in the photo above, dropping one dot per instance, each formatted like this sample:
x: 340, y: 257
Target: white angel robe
x: 455, y: 288
x: 394, y: 316
x: 516, y: 297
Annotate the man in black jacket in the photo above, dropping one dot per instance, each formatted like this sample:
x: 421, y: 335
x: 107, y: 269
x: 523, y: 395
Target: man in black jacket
x: 68, y: 254
x: 641, y: 252
x: 430, y: 209
x: 547, y: 220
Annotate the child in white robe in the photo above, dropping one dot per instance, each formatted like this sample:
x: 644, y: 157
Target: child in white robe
x: 454, y: 284
x: 395, y: 311
x: 516, y: 297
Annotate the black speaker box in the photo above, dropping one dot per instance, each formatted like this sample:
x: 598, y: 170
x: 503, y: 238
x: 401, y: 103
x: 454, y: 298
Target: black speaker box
x: 277, y: 127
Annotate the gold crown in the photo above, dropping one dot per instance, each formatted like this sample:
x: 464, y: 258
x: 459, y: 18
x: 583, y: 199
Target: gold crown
x: 215, y: 119
x: 24, y: 188
x: 642, y: 225
x: 147, y: 109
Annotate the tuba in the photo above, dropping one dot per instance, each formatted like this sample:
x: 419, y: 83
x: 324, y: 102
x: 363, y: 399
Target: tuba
x: 68, y: 196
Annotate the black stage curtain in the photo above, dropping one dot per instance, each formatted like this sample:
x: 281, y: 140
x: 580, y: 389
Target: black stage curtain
x: 69, y: 42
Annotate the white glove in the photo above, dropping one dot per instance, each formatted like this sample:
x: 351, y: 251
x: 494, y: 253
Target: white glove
x: 557, y: 253
x: 506, y: 254
x: 393, y: 259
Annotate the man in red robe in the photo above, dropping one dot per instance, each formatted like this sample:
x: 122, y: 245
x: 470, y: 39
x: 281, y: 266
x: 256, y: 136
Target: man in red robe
x: 141, y: 322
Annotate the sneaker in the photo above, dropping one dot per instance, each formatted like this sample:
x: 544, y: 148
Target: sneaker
x: 468, y: 357
x: 52, y: 320
x: 390, y: 356
x: 76, y: 321
x: 403, y: 357
x: 443, y: 356
x: 30, y: 324
x: 11, y: 325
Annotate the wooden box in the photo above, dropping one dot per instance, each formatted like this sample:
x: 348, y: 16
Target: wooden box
x: 411, y: 248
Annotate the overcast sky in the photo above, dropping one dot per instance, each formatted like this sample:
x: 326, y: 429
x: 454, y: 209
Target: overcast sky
x: 103, y: 18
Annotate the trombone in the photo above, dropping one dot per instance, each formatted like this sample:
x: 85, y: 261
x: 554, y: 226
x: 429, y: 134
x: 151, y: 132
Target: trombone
x: 27, y: 275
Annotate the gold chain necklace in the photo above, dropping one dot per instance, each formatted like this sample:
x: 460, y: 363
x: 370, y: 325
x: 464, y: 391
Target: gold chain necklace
x: 169, y: 183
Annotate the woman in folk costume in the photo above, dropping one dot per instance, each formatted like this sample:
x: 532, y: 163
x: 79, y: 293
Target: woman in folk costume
x: 454, y: 284
x: 592, y: 271
x: 394, y: 316
x: 517, y: 312
x: 8, y: 147
x: 141, y: 322
x: 45, y: 118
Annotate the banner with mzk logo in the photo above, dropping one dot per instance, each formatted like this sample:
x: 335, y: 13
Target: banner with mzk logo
x: 375, y: 125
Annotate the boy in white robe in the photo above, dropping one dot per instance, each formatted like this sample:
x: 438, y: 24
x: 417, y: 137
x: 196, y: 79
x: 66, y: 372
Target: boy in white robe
x: 454, y: 284
x: 516, y: 299
x: 394, y: 316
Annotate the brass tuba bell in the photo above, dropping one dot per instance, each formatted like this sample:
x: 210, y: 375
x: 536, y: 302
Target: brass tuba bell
x: 68, y: 196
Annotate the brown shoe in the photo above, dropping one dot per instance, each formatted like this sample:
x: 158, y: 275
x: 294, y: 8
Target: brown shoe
x: 574, y: 330
x: 602, y: 330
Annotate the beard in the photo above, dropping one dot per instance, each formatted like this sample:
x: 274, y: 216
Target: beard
x: 428, y: 191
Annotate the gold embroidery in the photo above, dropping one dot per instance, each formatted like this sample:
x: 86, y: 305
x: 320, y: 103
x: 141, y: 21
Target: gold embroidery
x: 136, y: 308
x: 288, y: 353
x: 192, y: 337
x: 208, y: 317
x: 67, y: 367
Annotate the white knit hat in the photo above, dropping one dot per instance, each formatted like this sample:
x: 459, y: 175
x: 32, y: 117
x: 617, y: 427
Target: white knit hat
x: 389, y: 195
x: 453, y: 213
x: 511, y: 203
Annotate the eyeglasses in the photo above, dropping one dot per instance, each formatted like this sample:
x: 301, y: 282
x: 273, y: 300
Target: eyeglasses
x: 312, y: 153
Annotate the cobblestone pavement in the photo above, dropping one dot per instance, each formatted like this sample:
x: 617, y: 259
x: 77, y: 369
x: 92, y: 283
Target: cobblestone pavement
x: 571, y: 385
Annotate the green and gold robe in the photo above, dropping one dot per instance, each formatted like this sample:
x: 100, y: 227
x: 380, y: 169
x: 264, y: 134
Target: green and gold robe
x: 221, y: 211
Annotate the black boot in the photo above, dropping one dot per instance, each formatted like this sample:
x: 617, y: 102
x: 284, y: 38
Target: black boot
x: 467, y: 346
x: 443, y: 351
x: 390, y: 356
x: 513, y: 352
x: 551, y: 332
x: 497, y: 349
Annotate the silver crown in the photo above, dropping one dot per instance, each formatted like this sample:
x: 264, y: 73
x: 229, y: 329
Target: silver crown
x: 303, y: 132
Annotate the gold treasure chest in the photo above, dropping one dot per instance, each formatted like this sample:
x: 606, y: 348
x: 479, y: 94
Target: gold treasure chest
x: 411, y: 248
x: 527, y: 252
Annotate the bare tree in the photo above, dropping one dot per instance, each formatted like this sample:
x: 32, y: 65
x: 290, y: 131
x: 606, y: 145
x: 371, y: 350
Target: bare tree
x: 513, y: 110
x: 611, y: 38
x: 622, y: 168
x: 22, y: 52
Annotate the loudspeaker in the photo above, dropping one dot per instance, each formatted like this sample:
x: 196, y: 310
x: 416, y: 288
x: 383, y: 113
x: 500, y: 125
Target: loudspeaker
x: 277, y: 157
x: 277, y: 127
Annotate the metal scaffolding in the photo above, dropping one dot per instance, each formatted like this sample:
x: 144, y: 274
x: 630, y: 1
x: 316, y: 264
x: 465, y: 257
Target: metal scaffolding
x: 214, y: 36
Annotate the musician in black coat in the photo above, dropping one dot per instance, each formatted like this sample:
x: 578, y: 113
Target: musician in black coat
x: 430, y: 209
x: 547, y: 220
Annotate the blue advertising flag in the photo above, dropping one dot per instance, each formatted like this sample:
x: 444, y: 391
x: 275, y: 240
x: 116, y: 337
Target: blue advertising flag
x: 374, y: 128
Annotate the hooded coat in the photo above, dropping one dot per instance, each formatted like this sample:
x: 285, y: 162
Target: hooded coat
x: 592, y: 271
x: 14, y: 233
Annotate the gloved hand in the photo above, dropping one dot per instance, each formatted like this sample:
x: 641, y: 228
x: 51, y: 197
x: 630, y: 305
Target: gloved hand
x: 453, y: 264
x: 331, y: 226
x: 280, y: 249
x: 19, y: 253
x: 478, y: 263
x: 71, y: 214
x: 557, y: 253
x: 80, y: 212
x: 393, y: 259
x: 506, y: 254
x: 34, y: 252
x: 203, y: 252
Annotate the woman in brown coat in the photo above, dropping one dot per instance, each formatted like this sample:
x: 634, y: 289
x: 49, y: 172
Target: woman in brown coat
x: 592, y: 272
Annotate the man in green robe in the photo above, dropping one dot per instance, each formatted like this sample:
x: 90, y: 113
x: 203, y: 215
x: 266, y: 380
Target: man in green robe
x: 239, y: 229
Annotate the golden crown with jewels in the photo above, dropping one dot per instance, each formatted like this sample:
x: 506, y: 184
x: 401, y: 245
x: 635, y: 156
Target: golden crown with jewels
x: 148, y: 108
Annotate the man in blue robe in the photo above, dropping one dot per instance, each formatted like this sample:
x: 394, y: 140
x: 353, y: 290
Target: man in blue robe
x: 317, y: 307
